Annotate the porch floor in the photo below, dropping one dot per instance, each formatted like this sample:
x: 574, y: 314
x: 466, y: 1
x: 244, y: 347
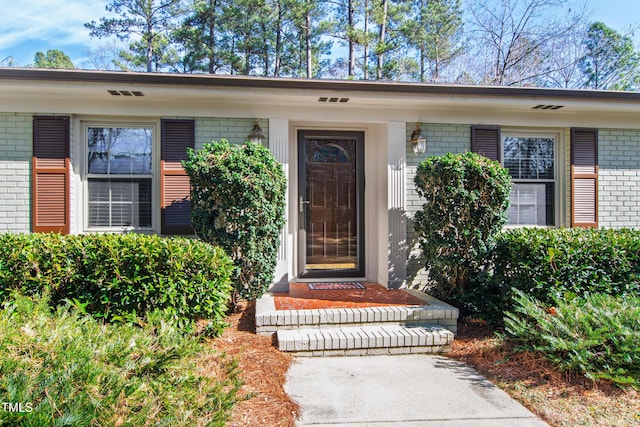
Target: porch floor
x: 300, y: 297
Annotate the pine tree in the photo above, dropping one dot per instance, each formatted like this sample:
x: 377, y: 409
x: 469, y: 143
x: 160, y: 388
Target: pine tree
x: 610, y: 61
x: 203, y: 38
x: 436, y: 34
x: 151, y: 20
x: 54, y: 58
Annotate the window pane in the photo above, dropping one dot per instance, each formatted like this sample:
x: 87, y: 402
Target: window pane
x: 99, y: 215
x: 98, y: 190
x: 125, y: 151
x: 119, y: 202
x: 529, y: 158
x: 122, y: 214
x: 98, y: 139
x: 531, y: 204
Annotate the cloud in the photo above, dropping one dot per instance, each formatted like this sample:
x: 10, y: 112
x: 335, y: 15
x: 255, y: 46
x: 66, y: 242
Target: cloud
x: 39, y: 25
x: 53, y: 21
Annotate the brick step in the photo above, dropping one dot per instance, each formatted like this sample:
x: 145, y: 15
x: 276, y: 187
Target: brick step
x: 371, y: 339
x: 435, y: 312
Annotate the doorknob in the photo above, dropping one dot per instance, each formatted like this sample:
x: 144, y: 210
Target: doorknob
x: 301, y: 203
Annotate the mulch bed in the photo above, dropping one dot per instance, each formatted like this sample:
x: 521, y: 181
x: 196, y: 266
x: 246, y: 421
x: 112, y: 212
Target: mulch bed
x: 264, y: 370
x: 562, y: 400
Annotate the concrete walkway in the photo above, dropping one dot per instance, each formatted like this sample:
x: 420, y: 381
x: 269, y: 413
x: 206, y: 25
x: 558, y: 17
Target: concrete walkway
x: 404, y: 390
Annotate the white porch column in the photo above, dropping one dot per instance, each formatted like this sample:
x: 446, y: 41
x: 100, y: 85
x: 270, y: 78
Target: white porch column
x: 279, y: 147
x: 396, y: 204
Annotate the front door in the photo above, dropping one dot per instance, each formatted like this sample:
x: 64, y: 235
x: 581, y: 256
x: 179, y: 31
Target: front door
x: 331, y: 186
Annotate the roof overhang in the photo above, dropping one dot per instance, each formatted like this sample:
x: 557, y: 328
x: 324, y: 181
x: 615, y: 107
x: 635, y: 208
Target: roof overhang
x: 191, y: 92
x: 252, y: 82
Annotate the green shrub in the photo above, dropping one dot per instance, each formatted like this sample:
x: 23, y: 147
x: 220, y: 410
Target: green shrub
x: 467, y: 197
x: 69, y: 369
x: 120, y: 276
x: 598, y: 336
x: 238, y: 196
x: 547, y: 263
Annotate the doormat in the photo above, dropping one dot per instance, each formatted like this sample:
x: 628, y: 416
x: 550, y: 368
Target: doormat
x: 335, y: 286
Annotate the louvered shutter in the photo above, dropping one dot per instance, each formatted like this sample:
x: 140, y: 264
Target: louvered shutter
x: 177, y: 136
x: 584, y: 178
x: 485, y: 140
x: 50, y: 175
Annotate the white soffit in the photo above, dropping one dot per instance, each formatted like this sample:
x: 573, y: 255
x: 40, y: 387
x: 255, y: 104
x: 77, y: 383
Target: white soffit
x: 39, y: 91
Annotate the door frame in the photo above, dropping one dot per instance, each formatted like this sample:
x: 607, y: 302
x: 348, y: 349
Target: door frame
x: 359, y: 271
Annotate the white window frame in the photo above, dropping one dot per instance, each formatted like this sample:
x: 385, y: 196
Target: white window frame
x: 558, y: 169
x: 154, y: 176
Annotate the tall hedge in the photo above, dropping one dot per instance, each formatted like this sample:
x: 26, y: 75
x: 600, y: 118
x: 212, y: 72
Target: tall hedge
x: 120, y: 276
x: 467, y: 197
x: 238, y: 196
x: 556, y: 263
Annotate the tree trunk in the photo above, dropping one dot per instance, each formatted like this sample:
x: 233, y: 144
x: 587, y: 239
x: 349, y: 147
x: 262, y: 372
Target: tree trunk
x: 149, y: 46
x: 352, y: 45
x: 232, y: 62
x: 212, y: 36
x: 381, y: 39
x: 421, y: 41
x: 307, y: 36
x: 265, y: 50
x: 278, y: 53
x: 435, y: 76
x: 422, y: 64
x: 247, y: 60
x: 366, y: 40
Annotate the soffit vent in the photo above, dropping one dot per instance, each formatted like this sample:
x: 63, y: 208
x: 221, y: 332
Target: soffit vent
x: 333, y: 99
x: 547, y: 107
x: 125, y: 93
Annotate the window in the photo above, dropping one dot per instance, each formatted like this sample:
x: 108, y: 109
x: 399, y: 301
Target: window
x: 531, y: 163
x: 119, y: 177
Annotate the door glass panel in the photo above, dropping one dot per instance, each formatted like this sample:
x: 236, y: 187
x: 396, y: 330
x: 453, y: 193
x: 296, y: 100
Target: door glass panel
x: 331, y: 214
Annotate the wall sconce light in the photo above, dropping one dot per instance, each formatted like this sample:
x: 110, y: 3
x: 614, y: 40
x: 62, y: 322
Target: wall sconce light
x: 256, y: 135
x: 418, y: 140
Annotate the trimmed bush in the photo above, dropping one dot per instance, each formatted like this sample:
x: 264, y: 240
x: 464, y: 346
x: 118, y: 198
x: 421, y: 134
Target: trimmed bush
x: 548, y: 263
x: 68, y: 369
x: 467, y: 197
x: 238, y: 196
x: 597, y: 336
x: 120, y: 276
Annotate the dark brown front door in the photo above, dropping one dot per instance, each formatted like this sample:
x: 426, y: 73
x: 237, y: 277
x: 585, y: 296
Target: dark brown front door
x: 330, y: 203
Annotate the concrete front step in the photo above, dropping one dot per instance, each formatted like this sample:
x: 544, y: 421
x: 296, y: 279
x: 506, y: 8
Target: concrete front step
x: 434, y: 312
x: 374, y: 339
x: 427, y: 328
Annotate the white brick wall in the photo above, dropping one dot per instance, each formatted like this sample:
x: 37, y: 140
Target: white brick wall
x: 441, y: 139
x: 234, y: 130
x: 619, y: 178
x: 15, y: 171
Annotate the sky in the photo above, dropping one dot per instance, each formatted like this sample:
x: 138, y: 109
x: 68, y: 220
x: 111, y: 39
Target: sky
x: 29, y: 26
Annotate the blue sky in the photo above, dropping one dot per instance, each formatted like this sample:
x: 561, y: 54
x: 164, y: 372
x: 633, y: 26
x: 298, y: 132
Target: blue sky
x: 29, y: 26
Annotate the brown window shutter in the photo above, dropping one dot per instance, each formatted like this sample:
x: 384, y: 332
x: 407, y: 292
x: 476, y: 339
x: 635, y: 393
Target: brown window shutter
x: 584, y: 178
x: 177, y: 136
x: 50, y: 175
x: 485, y: 140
